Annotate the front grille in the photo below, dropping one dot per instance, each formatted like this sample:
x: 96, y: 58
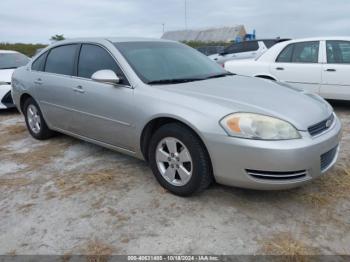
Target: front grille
x: 321, y: 126
x: 272, y: 175
x: 7, y: 99
x: 327, y: 158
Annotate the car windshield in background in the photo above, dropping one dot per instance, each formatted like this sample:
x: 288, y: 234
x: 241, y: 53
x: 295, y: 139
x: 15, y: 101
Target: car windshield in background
x: 167, y: 62
x: 12, y: 60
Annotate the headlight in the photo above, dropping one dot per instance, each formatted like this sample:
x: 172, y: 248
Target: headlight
x: 255, y: 126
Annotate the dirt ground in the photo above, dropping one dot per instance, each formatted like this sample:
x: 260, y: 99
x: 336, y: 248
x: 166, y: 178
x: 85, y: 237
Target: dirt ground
x: 65, y: 196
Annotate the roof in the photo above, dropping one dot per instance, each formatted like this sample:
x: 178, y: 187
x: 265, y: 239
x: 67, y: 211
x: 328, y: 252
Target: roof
x: 111, y: 39
x: 324, y: 38
x: 225, y: 34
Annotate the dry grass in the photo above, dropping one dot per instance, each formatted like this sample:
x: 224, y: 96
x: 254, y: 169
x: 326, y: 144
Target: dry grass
x: 14, y: 182
x: 12, y: 133
x: 329, y: 188
x: 26, y: 207
x: 37, y: 156
x: 99, y: 178
x: 286, y: 245
x: 98, y: 251
x: 73, y: 183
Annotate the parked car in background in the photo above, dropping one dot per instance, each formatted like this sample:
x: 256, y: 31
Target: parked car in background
x: 164, y: 102
x: 211, y: 49
x: 318, y: 65
x: 245, y: 50
x: 9, y: 61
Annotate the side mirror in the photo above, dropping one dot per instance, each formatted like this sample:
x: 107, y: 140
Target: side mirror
x: 106, y: 76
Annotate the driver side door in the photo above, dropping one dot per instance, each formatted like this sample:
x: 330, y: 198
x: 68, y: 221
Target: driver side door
x: 102, y: 112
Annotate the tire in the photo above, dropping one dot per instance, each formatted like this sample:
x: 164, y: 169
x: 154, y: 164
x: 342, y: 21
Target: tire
x: 191, y: 148
x: 41, y: 132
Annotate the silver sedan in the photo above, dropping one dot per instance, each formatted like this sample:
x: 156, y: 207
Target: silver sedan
x: 168, y: 104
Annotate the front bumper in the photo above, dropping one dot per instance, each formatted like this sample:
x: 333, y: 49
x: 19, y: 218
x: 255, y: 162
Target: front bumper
x: 5, y: 97
x: 270, y: 165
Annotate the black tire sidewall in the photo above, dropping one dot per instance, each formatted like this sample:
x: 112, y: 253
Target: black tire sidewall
x: 200, y: 162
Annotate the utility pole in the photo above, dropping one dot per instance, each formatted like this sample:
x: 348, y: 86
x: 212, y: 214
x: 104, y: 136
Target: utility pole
x: 186, y: 14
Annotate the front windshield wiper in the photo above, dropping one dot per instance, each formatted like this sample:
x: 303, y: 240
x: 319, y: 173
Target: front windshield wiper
x: 7, y: 68
x: 185, y: 80
x: 172, y: 81
x: 219, y: 75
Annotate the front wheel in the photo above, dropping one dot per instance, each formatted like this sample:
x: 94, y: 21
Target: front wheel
x: 179, y: 160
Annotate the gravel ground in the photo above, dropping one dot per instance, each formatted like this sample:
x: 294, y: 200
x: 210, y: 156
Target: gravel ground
x: 64, y: 196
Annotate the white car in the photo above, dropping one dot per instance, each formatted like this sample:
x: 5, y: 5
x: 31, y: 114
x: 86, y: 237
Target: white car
x: 9, y: 61
x: 318, y: 65
x: 245, y: 50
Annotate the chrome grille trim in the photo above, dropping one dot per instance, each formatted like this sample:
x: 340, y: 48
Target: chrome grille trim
x: 321, y: 126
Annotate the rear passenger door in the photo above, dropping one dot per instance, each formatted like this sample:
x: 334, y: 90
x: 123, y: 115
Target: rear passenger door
x: 53, y: 84
x: 298, y: 64
x: 336, y: 70
x: 102, y: 112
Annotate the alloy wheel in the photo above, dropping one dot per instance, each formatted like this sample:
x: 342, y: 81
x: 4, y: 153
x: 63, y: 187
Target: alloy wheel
x: 174, y: 161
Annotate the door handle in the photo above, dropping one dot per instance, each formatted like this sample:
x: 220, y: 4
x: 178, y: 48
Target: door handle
x: 79, y: 89
x: 331, y: 70
x: 39, y: 81
x: 279, y: 68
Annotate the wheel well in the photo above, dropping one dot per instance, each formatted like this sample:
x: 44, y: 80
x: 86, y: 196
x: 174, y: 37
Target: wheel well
x: 266, y: 77
x: 22, y: 100
x: 154, y: 125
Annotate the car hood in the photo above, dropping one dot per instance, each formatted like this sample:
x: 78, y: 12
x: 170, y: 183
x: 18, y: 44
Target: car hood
x: 5, y: 75
x: 246, y: 94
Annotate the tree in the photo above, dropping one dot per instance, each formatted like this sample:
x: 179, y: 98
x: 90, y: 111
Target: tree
x: 57, y: 38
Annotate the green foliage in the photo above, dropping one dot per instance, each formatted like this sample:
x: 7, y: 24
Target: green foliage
x: 196, y: 44
x: 27, y: 49
x: 57, y: 38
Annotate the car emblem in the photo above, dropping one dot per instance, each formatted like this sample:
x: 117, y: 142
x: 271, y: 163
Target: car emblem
x: 328, y: 123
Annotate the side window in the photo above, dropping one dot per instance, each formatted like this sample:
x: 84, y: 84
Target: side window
x: 60, y: 60
x: 306, y: 52
x: 338, y: 52
x: 93, y: 58
x: 286, y: 55
x: 39, y: 63
x: 250, y: 46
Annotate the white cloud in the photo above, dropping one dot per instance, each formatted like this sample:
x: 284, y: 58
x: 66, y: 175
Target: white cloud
x: 37, y: 20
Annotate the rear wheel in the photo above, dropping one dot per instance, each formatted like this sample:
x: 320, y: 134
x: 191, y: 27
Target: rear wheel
x: 35, y: 122
x: 179, y: 160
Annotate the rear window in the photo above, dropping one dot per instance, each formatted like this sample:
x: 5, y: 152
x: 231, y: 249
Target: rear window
x: 12, y: 60
x: 61, y: 60
x: 286, y: 55
x: 303, y: 52
x: 39, y: 63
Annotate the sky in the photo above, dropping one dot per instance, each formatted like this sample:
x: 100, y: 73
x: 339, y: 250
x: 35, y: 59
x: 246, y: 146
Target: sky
x: 35, y: 21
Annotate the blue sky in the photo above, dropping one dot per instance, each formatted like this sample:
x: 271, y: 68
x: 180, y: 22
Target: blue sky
x: 36, y: 20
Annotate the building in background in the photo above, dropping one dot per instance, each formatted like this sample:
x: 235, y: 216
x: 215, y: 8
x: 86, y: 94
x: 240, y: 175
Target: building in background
x: 221, y: 34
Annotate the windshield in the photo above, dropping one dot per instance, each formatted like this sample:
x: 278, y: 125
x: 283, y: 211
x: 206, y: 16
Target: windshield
x: 167, y: 62
x: 12, y: 60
